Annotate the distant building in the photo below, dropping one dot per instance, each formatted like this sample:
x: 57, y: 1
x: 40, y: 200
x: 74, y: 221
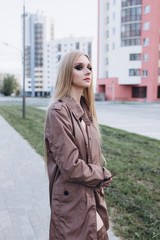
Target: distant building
x: 56, y: 49
x: 35, y: 41
x: 42, y: 54
x: 129, y: 50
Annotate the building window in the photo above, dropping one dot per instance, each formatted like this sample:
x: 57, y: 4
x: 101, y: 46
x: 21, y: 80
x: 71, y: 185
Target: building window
x: 131, y: 14
x: 144, y: 73
x: 126, y: 3
x: 107, y: 6
x: 134, y: 56
x: 113, y: 31
x: 145, y: 42
x: 59, y: 47
x: 131, y: 30
x: 107, y: 47
x: 130, y: 42
x: 139, y: 92
x: 114, y: 16
x: 145, y: 58
x: 77, y: 45
x: 147, y: 9
x: 114, y: 2
x: 59, y: 58
x: 158, y: 91
x: 90, y: 50
x: 146, y: 26
x: 113, y: 45
x: 107, y: 34
x: 134, y: 72
x: 159, y: 71
x: 106, y: 61
x: 107, y: 20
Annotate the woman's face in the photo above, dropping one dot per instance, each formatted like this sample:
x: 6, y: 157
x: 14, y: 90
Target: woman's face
x: 82, y: 72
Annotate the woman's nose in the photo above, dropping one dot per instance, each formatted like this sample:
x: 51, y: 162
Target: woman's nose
x: 88, y: 71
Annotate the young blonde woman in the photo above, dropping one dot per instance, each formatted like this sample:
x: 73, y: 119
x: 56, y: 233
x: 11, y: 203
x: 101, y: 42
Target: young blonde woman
x: 76, y: 175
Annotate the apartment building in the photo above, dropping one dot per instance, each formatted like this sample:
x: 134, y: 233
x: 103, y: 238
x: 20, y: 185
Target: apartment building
x: 129, y: 50
x: 35, y: 42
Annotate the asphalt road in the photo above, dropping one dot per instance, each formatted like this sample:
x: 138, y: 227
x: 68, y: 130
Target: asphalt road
x: 137, y: 117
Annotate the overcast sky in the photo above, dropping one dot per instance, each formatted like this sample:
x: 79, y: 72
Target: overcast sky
x: 76, y: 17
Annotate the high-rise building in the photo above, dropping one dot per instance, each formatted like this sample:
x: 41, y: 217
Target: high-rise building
x: 56, y: 49
x: 43, y: 53
x: 35, y: 41
x: 129, y: 50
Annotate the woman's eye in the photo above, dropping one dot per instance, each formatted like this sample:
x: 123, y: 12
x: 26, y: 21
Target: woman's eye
x: 90, y: 68
x: 78, y: 67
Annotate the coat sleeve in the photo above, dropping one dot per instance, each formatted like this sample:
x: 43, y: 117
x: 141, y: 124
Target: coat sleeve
x: 66, y: 154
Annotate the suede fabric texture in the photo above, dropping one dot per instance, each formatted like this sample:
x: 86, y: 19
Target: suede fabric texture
x: 102, y: 234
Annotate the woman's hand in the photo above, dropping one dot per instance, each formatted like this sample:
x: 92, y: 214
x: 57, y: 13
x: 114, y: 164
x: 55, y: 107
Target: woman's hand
x: 107, y: 178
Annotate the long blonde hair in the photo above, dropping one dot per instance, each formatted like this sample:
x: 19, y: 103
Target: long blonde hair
x: 64, y: 81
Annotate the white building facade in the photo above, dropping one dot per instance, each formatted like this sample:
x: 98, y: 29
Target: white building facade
x: 128, y: 50
x: 35, y: 42
x: 118, y: 39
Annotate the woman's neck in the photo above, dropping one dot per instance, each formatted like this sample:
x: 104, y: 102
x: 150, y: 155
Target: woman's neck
x: 76, y: 94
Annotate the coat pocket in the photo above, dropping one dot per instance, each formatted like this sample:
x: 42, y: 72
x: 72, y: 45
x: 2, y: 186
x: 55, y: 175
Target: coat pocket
x: 68, y: 201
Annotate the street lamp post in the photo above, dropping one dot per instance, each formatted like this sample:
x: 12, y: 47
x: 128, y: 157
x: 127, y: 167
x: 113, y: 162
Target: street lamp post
x: 7, y: 44
x: 112, y: 90
x: 24, y: 104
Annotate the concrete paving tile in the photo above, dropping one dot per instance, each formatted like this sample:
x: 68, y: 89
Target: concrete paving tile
x: 19, y: 235
x: 8, y: 234
x: 5, y: 220
x: 3, y: 204
x: 40, y: 233
x: 33, y: 218
x: 28, y: 231
x: 1, y: 235
x: 30, y: 237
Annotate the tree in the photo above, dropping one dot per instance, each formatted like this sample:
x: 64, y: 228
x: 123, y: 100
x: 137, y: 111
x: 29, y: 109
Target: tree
x: 9, y: 84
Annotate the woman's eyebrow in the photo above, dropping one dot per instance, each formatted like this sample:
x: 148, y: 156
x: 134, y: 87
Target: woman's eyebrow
x: 79, y: 63
x: 82, y: 63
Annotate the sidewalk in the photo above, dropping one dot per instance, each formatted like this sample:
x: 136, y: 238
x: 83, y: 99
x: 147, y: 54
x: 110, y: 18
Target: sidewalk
x: 24, y: 202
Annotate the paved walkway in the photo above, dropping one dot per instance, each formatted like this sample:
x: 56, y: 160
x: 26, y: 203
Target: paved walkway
x: 24, y: 210
x: 24, y: 203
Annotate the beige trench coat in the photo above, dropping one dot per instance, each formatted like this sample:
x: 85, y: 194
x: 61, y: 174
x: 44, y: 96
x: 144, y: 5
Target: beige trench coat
x: 75, y: 172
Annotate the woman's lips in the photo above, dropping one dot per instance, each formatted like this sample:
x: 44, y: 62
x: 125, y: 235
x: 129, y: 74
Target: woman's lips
x: 87, y: 79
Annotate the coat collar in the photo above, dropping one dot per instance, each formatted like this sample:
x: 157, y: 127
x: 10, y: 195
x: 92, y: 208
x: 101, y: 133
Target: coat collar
x: 79, y: 112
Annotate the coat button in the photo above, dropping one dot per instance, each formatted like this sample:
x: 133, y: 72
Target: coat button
x: 59, y: 100
x: 66, y: 193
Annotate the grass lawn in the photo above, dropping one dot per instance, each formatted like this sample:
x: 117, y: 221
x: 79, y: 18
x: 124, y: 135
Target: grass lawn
x: 133, y: 199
